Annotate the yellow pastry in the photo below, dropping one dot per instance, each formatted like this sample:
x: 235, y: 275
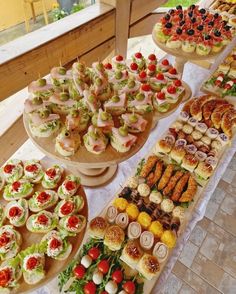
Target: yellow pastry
x: 156, y: 228
x: 132, y: 211
x: 120, y: 204
x: 144, y: 219
x: 169, y: 238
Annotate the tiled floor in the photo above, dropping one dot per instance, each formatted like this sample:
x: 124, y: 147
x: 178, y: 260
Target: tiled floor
x: 207, y: 263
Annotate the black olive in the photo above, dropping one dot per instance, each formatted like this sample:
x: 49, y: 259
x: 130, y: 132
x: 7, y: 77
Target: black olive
x: 204, y: 17
x: 193, y: 20
x: 190, y: 14
x: 167, y: 17
x: 224, y: 22
x: 168, y: 25
x: 182, y: 23
x: 207, y: 37
x: 190, y: 32
x: 202, y: 11
x: 211, y: 23
x: 192, y: 7
x: 227, y: 28
x: 171, y: 11
x: 179, y: 31
x: 217, y: 33
x: 179, y: 7
x: 200, y: 28
x: 181, y: 15
x: 216, y: 15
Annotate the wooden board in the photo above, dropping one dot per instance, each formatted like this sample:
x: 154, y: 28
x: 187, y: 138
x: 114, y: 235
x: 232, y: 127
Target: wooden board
x: 84, y: 158
x: 180, y: 53
x: 53, y: 267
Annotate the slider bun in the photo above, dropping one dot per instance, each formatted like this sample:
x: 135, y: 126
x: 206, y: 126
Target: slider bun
x: 177, y: 153
x: 189, y: 162
x: 114, y: 237
x: 97, y: 227
x: 163, y: 146
x: 148, y: 266
x: 204, y: 170
x: 131, y: 253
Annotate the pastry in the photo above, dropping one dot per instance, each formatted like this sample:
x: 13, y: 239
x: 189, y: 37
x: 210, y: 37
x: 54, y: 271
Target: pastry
x: 148, y: 266
x: 163, y: 147
x: 148, y: 166
x: 114, y: 238
x: 187, y: 105
x: 206, y: 140
x: 180, y: 187
x: 97, y: 227
x: 226, y: 122
x: 156, y: 228
x: 218, y: 113
x: 169, y: 238
x: 187, y: 129
x: 196, y: 135
x: 165, y: 177
x: 190, y: 192
x: 122, y: 220
x: 134, y: 230
x: 178, y: 153
x: 146, y: 240
x: 167, y: 205
x: 178, y: 211
x: 132, y: 211
x: 189, y: 162
x: 160, y: 251
x: 204, y: 170
x: 120, y: 203
x: 132, y: 253
x: 155, y: 197
x: 144, y: 219
x: 172, y: 182
x: 153, y: 177
x: 177, y: 125
x: 223, y: 139
x: 196, y: 106
x: 143, y: 190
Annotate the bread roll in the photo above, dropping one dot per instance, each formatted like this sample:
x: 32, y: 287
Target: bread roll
x: 114, y: 237
x: 97, y: 227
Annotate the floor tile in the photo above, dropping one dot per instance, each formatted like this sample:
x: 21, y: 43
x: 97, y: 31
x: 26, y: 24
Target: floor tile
x: 198, y: 235
x: 228, y: 284
x: 179, y: 269
x: 172, y: 285
x: 217, y: 231
x: 226, y: 221
x: 186, y: 289
x: 228, y: 175
x: 229, y: 205
x: 188, y: 254
x: 211, y: 209
x: 210, y: 246
x: 218, y: 195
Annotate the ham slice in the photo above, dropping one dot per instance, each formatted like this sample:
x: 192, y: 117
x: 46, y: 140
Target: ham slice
x: 120, y: 103
x: 99, y: 144
x: 72, y: 123
x: 37, y: 120
x: 56, y: 75
x: 99, y: 73
x: 104, y: 123
x: 140, y: 125
x: 124, y: 77
x: 92, y: 106
x: 80, y: 88
x: 145, y: 101
x: 99, y: 89
x: 30, y: 107
x: 126, y: 141
x: 126, y: 89
x: 55, y: 98
x: 34, y: 87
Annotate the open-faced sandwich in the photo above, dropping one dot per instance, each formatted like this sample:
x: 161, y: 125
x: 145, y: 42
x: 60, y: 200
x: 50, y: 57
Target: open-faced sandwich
x: 44, y: 123
x: 121, y: 140
x: 70, y: 206
x: 60, y: 76
x: 135, y: 122
x: 95, y: 141
x: 72, y: 224
x: 41, y: 89
x: 142, y: 102
x: 57, y: 247
x: 52, y: 177
x: 62, y: 103
x: 90, y: 101
x: 42, y: 222
x: 10, y: 273
x: 33, y: 171
x: 77, y: 120
x: 2, y: 215
x: 43, y: 200
x: 116, y: 105
x: 67, y: 142
x: 33, y: 262
x: 13, y: 170
x: 10, y: 242
x: 17, y: 212
x: 103, y: 120
x: 2, y: 182
x: 17, y: 190
x: 69, y: 187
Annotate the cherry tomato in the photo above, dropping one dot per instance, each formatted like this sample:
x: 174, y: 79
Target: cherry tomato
x: 15, y: 211
x: 16, y: 186
x: 165, y: 62
x: 152, y: 67
x: 161, y: 96
x: 104, y: 292
x: 104, y: 266
x: 119, y: 58
x: 152, y: 57
x: 129, y: 287
x: 172, y: 71
x: 218, y: 83
x: 117, y: 276
x: 138, y: 55
x: 178, y: 83
x: 67, y: 207
x: 142, y: 74
x: 70, y: 185
x: 171, y: 89
x: 90, y: 288
x: 227, y: 86
x: 43, y: 197
x: 73, y: 221
x: 42, y: 219
x: 94, y: 253
x: 160, y: 76
x: 146, y: 87
x: 108, y: 66
x: 134, y: 66
x: 79, y: 271
x: 8, y: 168
x: 31, y: 168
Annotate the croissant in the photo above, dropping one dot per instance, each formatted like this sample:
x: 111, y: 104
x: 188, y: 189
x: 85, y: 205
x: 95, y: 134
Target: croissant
x: 180, y: 187
x: 190, y: 192
x: 155, y: 176
x: 217, y: 114
x: 166, y: 176
x: 148, y: 166
x: 187, y: 105
x: 227, y: 122
x: 210, y: 106
x: 196, y: 107
x: 173, y: 180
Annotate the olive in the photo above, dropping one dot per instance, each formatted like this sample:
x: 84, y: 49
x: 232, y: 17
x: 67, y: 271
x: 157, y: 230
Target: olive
x: 193, y: 20
x: 179, y: 31
x: 192, y: 6
x: 91, y: 98
x: 100, y: 66
x: 200, y: 28
x: 217, y: 33
x: 182, y: 23
x: 140, y: 96
x: 133, y: 118
x: 98, y: 81
x: 190, y: 14
x: 181, y: 15
x: 64, y: 96
x: 118, y: 75
x: 44, y: 113
x: 190, y: 32
x: 179, y: 7
x: 167, y: 17
x: 37, y: 100
x: 202, y: 11
x: 115, y: 98
x: 123, y: 131
x: 211, y: 23
x: 216, y: 15
x: 168, y: 25
x: 104, y: 116
x: 131, y: 84
x: 80, y: 67
x: 171, y: 11
x: 74, y: 113
x: 41, y: 82
x: 227, y: 28
x: 62, y: 71
x: 207, y: 37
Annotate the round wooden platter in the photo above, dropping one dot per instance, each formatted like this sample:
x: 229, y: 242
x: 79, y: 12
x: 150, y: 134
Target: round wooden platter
x: 52, y: 267
x: 93, y: 169
x: 180, y: 53
x: 159, y: 115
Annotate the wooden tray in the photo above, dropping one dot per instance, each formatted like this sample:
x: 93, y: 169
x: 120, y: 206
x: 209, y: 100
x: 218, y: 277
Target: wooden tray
x: 84, y: 158
x: 53, y: 267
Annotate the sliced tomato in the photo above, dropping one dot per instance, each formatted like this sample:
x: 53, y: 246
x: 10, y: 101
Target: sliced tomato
x: 32, y: 263
x: 152, y: 67
x: 15, y: 211
x: 142, y: 74
x: 73, y: 221
x: 42, y: 219
x: 146, y: 87
x: 67, y: 208
x: 31, y: 168
x: 161, y: 96
x: 165, y: 62
x: 8, y: 168
x: 51, y: 172
x: 108, y: 66
x: 171, y: 89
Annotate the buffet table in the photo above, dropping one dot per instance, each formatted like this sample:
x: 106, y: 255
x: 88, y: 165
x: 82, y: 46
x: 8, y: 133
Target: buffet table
x: 194, y: 76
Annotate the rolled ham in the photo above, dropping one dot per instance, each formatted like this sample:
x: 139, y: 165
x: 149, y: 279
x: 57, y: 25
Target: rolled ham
x: 56, y: 75
x: 37, y: 120
x: 34, y: 87
x: 140, y: 125
x: 126, y: 141
x: 120, y: 103
x: 104, y: 123
x: 55, y: 98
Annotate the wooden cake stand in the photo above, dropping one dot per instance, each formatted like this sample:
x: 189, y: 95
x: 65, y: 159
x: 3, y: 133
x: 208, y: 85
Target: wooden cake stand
x: 182, y: 57
x: 94, y: 170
